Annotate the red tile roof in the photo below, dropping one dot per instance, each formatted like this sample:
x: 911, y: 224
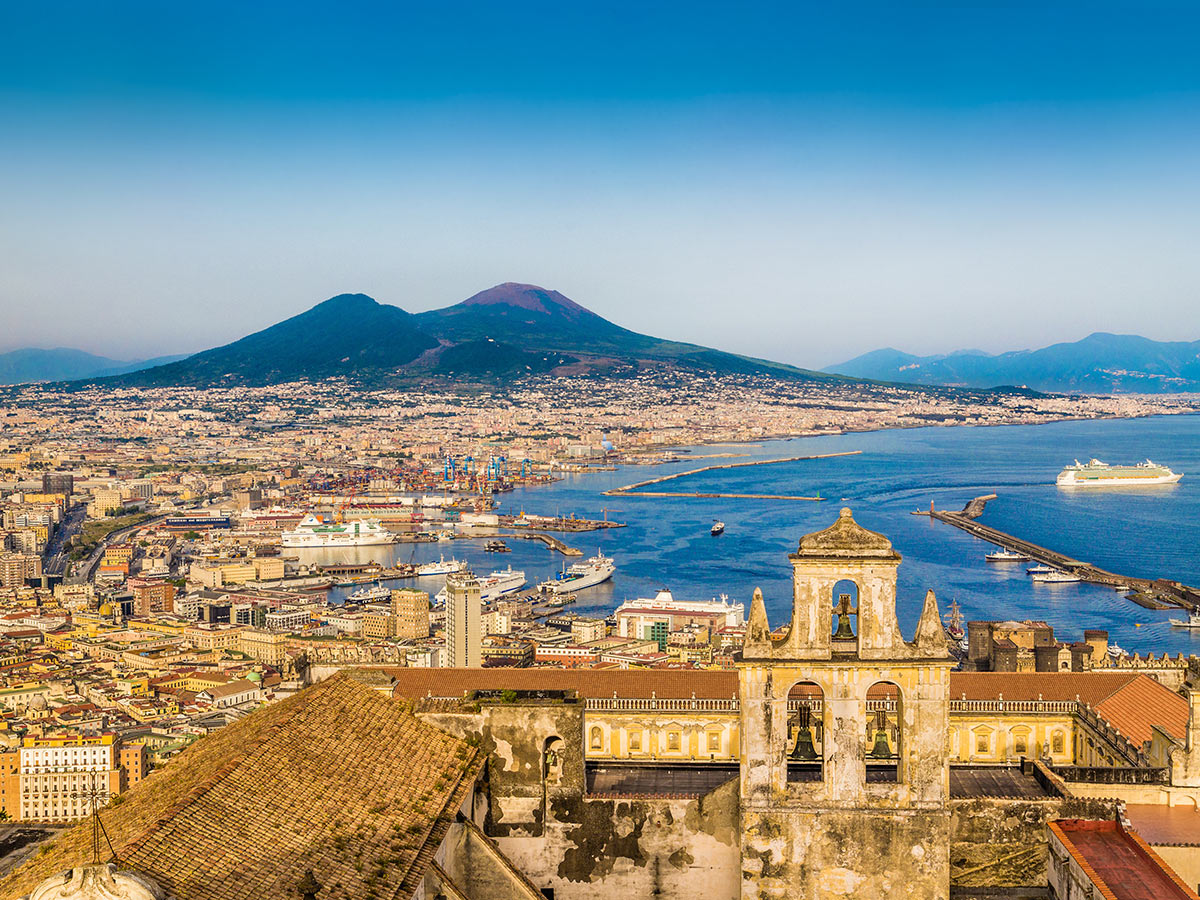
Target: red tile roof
x: 1132, y: 703
x: 1120, y: 863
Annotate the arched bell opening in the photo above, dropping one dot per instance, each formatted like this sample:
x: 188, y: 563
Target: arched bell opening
x: 845, y: 610
x: 884, y: 737
x: 805, y: 732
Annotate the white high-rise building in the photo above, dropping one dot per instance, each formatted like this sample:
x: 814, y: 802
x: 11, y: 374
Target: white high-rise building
x: 463, y: 633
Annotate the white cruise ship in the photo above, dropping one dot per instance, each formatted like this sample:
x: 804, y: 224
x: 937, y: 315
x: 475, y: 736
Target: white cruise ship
x: 313, y: 531
x: 494, y: 586
x: 589, y: 573
x: 1094, y: 473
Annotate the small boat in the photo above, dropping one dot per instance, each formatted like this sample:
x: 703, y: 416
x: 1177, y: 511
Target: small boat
x: 1193, y: 621
x: 496, y: 547
x: 1004, y: 555
x: 1039, y: 569
x: 1056, y: 577
x: 718, y: 527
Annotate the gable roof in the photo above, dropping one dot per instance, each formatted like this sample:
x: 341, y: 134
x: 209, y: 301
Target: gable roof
x: 338, y: 779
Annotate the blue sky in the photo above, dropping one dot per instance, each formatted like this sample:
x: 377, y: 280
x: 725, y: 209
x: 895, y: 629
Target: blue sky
x: 799, y: 181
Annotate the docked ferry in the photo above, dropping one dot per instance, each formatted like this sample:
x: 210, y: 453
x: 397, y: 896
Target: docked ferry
x: 1094, y: 473
x: 313, y: 531
x: 494, y: 586
x: 442, y: 567
x: 589, y: 573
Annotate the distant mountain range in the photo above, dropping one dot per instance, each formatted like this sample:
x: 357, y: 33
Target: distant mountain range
x: 64, y: 364
x: 1098, y: 364
x: 509, y: 330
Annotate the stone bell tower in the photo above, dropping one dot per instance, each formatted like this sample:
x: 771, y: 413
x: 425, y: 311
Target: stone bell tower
x: 845, y: 779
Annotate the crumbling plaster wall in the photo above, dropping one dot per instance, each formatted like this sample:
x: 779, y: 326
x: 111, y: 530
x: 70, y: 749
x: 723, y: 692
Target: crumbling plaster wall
x: 998, y: 843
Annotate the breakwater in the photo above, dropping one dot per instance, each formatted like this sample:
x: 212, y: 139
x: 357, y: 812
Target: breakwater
x: 635, y: 489
x: 1160, y: 590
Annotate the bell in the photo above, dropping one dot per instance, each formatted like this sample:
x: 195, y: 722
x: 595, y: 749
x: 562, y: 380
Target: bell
x: 844, y: 631
x: 881, y: 750
x: 804, y: 748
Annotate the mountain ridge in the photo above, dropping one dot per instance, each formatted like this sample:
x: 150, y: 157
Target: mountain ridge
x: 27, y: 365
x: 1101, y: 362
x: 505, y: 331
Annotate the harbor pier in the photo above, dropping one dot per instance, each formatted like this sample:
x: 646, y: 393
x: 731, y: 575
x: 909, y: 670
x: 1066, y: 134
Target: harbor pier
x: 633, y: 490
x: 1162, y: 590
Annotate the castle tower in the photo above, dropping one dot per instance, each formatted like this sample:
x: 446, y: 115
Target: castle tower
x: 845, y: 778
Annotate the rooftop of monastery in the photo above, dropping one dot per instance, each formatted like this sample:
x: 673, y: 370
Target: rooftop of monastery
x: 1119, y: 862
x: 337, y: 779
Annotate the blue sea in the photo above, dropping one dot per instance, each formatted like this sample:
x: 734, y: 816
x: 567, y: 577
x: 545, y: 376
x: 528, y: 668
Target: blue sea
x: 1147, y: 532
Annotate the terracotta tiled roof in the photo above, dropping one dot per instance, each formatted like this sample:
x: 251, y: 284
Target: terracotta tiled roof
x: 1131, y: 702
x: 704, y: 683
x: 338, y: 779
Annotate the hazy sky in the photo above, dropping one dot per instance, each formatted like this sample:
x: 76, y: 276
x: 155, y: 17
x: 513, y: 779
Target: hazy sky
x: 798, y: 181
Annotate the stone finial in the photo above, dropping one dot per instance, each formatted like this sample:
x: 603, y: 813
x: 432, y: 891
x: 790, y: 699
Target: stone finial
x: 758, y: 629
x: 931, y: 637
x: 846, y: 538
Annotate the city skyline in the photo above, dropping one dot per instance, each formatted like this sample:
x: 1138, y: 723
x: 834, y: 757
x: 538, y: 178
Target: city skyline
x: 797, y: 184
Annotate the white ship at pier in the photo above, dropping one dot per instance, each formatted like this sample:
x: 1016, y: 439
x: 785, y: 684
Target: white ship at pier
x: 313, y: 531
x: 589, y: 573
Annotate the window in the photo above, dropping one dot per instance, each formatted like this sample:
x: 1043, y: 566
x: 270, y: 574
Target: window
x: 1057, y: 743
x: 635, y: 741
x: 714, y: 742
x: 596, y: 738
x: 673, y: 741
x: 983, y: 742
x: 1020, y: 739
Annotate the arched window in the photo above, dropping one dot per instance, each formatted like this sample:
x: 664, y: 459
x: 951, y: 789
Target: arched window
x: 845, y: 610
x: 805, y: 732
x: 552, y: 759
x: 883, y: 733
x: 596, y: 738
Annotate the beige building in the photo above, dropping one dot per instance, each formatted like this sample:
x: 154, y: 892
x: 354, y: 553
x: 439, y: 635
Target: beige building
x: 268, y: 647
x: 463, y: 635
x: 410, y: 610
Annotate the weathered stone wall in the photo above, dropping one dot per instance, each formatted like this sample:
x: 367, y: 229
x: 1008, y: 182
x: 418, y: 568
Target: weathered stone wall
x: 535, y: 755
x: 541, y: 819
x: 865, y: 855
x: 1004, y: 843
x: 635, y: 848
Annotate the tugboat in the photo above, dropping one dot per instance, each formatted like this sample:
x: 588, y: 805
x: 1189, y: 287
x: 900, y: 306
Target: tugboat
x: 496, y: 546
x: 718, y: 527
